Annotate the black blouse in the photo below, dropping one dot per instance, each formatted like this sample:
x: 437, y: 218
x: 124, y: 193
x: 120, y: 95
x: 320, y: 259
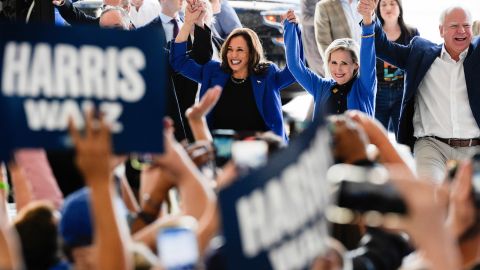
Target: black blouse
x: 337, y: 102
x: 236, y: 108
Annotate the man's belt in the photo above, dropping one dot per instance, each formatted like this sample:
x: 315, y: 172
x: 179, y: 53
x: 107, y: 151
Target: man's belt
x: 459, y: 142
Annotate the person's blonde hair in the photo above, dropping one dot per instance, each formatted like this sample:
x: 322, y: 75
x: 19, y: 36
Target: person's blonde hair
x: 209, y: 18
x: 344, y: 44
x: 476, y: 28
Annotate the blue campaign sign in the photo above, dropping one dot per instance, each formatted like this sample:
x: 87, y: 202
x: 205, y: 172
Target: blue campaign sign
x: 274, y: 217
x: 49, y: 74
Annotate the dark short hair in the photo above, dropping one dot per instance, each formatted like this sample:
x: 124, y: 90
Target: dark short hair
x: 37, y: 230
x: 256, y: 59
x: 403, y: 26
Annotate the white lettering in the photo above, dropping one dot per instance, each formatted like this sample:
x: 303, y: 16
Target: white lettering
x: 286, y: 205
x: 112, y: 112
x: 41, y: 115
x: 15, y: 66
x: 91, y: 63
x: 41, y: 71
x: 66, y: 72
x: 251, y: 217
x: 133, y: 87
x: 111, y: 74
x: 299, y: 252
x: 70, y: 109
x: 54, y: 115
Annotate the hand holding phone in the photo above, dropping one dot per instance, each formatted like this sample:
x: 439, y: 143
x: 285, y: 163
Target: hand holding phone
x: 177, y: 244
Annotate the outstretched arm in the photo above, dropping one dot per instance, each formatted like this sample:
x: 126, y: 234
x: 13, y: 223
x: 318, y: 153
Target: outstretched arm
x: 9, y: 243
x: 192, y: 14
x: 72, y: 14
x: 294, y: 56
x: 93, y: 159
x: 368, y: 78
x: 196, y: 114
x: 378, y: 136
x: 179, y: 59
x: 389, y: 51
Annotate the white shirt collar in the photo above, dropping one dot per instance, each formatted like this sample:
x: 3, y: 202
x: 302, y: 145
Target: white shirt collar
x: 165, y: 18
x: 445, y: 55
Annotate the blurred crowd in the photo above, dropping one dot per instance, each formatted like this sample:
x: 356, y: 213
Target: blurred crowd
x: 402, y: 114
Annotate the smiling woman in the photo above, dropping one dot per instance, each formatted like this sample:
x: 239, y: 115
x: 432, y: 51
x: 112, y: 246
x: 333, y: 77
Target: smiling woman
x: 250, y: 99
x: 348, y: 85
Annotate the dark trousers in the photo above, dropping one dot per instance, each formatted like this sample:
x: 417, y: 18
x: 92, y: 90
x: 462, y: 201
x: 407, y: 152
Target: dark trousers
x: 387, y: 106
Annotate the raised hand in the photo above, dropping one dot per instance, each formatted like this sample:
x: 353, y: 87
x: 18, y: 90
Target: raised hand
x: 58, y: 2
x: 206, y: 103
x: 194, y: 12
x: 93, y: 149
x: 366, y: 8
x: 429, y: 233
x: 200, y: 4
x: 196, y: 114
x: 374, y: 129
x: 175, y: 159
x: 291, y: 17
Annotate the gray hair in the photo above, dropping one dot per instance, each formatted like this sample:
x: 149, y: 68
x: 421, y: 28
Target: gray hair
x: 344, y: 44
x: 123, y: 13
x: 209, y: 18
x: 447, y: 11
x: 125, y: 3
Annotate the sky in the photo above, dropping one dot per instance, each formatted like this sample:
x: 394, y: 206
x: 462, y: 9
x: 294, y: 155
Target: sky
x: 424, y: 14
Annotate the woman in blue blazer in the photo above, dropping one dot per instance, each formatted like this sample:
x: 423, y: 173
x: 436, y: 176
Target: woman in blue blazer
x: 353, y: 81
x: 250, y: 99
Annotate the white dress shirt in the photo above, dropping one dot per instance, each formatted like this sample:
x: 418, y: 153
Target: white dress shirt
x: 441, y: 105
x: 353, y: 18
x: 168, y: 26
x: 148, y: 11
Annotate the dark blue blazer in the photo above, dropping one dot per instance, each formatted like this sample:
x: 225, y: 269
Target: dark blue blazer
x: 416, y: 59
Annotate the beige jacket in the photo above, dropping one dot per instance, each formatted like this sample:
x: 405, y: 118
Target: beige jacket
x: 330, y: 24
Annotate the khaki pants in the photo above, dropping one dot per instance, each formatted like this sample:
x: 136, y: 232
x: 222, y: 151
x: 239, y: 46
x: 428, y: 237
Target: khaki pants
x: 431, y: 156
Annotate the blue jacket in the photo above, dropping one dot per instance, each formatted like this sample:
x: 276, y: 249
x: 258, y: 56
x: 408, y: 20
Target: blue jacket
x: 416, y: 59
x: 361, y: 96
x: 266, y: 88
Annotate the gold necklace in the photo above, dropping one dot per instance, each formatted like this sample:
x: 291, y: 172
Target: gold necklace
x: 237, y: 81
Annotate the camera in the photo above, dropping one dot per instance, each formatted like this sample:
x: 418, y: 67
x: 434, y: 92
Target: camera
x: 365, y: 189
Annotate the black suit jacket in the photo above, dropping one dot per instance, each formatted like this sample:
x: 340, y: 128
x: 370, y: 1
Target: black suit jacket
x: 181, y: 91
x: 203, y: 44
x: 74, y: 15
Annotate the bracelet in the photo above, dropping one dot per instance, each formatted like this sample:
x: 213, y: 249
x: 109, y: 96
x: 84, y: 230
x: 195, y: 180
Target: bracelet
x: 369, y: 36
x: 4, y: 186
